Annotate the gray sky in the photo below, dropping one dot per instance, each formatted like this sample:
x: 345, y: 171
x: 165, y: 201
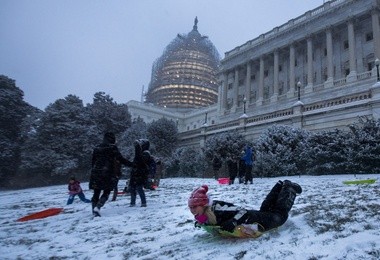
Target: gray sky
x: 54, y: 48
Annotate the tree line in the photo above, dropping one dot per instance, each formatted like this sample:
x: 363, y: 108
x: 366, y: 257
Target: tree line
x: 45, y: 147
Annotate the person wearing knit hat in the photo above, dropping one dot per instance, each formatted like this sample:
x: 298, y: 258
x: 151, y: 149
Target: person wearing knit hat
x: 274, y: 210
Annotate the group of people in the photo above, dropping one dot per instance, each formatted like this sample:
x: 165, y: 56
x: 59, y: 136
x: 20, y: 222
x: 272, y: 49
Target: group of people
x: 106, y: 164
x: 241, y: 166
x: 106, y: 172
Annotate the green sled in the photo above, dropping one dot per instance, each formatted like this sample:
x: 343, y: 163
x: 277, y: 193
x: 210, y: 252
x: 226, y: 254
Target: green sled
x: 369, y: 181
x: 239, y: 232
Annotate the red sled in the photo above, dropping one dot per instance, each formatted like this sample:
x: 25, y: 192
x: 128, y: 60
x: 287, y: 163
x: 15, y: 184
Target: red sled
x: 42, y: 214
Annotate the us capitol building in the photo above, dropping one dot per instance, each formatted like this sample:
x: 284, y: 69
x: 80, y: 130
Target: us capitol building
x: 318, y: 71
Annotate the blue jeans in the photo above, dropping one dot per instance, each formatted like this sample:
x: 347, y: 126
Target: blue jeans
x: 134, y: 189
x: 80, y: 195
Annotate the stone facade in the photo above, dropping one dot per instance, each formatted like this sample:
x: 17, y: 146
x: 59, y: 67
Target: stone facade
x: 315, y: 72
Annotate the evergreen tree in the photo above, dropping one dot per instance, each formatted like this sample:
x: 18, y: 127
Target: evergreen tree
x: 327, y: 152
x: 107, y: 115
x: 13, y: 110
x: 61, y: 144
x: 364, y: 152
x: 138, y: 130
x: 179, y: 164
x: 279, y: 149
x: 224, y: 145
x: 163, y: 136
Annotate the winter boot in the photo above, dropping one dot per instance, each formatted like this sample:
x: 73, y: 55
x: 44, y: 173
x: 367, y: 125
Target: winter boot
x: 271, y: 198
x: 297, y: 188
x: 286, y: 197
x: 96, y: 212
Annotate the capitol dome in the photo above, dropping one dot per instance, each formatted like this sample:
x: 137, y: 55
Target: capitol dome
x: 184, y: 77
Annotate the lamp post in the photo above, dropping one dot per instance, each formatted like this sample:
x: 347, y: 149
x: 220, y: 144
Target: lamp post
x: 377, y: 62
x: 244, y: 101
x: 205, y: 118
x: 299, y: 89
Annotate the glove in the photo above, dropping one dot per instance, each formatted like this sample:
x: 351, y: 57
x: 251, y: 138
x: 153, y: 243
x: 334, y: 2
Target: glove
x: 229, y: 225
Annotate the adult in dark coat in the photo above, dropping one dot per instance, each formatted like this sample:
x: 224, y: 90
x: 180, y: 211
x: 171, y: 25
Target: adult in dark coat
x: 232, y: 165
x: 140, y: 171
x: 103, y: 175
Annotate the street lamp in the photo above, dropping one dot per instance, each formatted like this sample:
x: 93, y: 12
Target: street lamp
x: 244, y: 101
x: 299, y: 89
x: 205, y: 118
x: 377, y: 62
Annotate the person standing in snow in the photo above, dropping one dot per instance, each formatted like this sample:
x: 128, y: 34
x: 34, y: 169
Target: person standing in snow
x: 140, y: 171
x: 248, y: 160
x: 274, y: 210
x: 103, y: 171
x: 75, y: 189
x: 216, y: 165
x: 232, y: 165
x: 241, y: 167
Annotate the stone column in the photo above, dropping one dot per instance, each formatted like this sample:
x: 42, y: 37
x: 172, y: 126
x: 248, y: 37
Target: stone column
x: 236, y: 89
x: 274, y: 97
x: 260, y: 98
x: 351, y: 45
x: 309, y: 86
x: 225, y: 91
x: 376, y: 33
x: 220, y: 94
x: 247, y: 94
x: 292, y: 77
x: 330, y: 70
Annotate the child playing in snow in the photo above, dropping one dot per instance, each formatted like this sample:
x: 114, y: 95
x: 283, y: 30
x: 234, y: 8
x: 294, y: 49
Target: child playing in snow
x: 273, y: 211
x: 75, y: 189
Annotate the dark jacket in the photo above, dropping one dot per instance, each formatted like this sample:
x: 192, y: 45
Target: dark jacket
x: 141, y: 164
x: 103, y: 173
x: 227, y: 212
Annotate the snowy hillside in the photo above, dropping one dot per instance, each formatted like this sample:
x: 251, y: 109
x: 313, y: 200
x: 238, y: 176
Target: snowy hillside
x: 329, y: 220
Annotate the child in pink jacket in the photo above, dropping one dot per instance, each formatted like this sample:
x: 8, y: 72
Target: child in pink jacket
x: 75, y: 189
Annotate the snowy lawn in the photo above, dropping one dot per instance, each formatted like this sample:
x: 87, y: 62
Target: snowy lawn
x: 329, y: 220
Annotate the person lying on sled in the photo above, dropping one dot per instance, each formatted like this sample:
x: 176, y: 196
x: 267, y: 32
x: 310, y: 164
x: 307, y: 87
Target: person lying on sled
x: 273, y: 212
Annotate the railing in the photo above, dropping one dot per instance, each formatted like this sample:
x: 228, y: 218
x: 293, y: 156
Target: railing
x: 308, y: 15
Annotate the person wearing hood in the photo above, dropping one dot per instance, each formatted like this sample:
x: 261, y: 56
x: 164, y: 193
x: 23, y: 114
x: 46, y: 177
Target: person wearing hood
x: 248, y: 160
x: 103, y: 174
x: 140, y: 171
x: 274, y: 210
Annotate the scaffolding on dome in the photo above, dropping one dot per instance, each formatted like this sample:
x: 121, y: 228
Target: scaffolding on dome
x: 184, y: 77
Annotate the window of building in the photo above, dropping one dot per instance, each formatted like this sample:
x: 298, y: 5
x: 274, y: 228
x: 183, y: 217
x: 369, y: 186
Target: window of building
x: 230, y: 86
x: 295, y: 63
x: 347, y: 72
x: 266, y: 73
x: 241, y: 82
x: 253, y: 77
x: 345, y: 45
x: 369, y: 65
x: 325, y: 51
x: 280, y: 68
x: 369, y: 36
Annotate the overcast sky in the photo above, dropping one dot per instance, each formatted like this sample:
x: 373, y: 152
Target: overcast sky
x: 55, y: 48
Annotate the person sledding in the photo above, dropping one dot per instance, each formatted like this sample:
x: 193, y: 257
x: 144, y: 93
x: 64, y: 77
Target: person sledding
x: 273, y: 212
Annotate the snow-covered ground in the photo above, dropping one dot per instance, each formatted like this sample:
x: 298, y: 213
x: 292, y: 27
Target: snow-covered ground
x: 329, y: 220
